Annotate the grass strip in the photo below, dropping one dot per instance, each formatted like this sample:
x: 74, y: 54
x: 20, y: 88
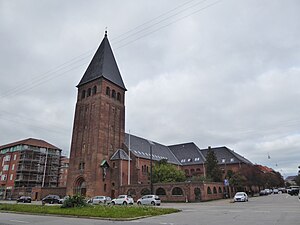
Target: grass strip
x: 114, y: 212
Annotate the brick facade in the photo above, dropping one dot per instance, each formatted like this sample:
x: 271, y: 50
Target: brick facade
x: 99, y: 127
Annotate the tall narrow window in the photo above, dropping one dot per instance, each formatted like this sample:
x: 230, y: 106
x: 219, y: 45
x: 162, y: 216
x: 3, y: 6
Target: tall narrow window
x: 119, y: 96
x: 113, y: 94
x: 83, y: 94
x: 89, y: 92
x: 94, y: 90
x: 108, y: 91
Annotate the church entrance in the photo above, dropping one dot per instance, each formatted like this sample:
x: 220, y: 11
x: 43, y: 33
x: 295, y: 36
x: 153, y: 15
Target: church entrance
x: 80, y: 187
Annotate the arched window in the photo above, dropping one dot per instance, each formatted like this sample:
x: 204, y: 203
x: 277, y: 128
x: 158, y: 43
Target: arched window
x: 119, y: 96
x: 113, y: 94
x: 198, y: 170
x: 220, y: 190
x: 83, y: 94
x: 94, y: 90
x: 186, y: 172
x: 192, y: 171
x: 197, y: 192
x: 160, y: 191
x: 108, y: 91
x: 215, y: 190
x: 145, y: 191
x: 89, y: 92
x: 208, y: 190
x: 177, y: 191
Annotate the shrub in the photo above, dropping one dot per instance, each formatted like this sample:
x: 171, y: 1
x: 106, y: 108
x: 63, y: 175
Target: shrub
x: 74, y: 201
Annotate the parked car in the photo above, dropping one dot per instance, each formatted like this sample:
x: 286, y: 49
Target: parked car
x: 122, y: 200
x: 263, y: 192
x: 240, y: 197
x: 299, y: 195
x: 149, y: 200
x: 51, y: 199
x: 100, y: 200
x: 293, y: 190
x: 275, y: 191
x: 24, y: 199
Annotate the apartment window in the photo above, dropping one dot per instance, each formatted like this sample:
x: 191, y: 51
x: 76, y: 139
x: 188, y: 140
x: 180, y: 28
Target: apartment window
x: 15, y: 156
x: 5, y: 167
x: 3, y: 177
x: 13, y: 167
x: 11, y: 177
x: 6, y: 158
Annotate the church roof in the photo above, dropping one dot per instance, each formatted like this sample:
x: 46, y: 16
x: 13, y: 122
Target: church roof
x: 140, y: 147
x: 187, y: 153
x: 120, y: 154
x: 227, y: 156
x: 103, y: 65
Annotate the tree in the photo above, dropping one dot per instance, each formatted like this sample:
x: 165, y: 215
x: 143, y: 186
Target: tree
x: 164, y: 172
x: 213, y: 171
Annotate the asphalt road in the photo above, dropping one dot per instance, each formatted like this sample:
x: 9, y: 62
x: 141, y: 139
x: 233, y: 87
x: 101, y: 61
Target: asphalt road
x: 280, y: 209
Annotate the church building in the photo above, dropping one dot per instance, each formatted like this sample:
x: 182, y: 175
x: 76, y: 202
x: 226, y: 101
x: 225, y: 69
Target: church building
x: 104, y: 160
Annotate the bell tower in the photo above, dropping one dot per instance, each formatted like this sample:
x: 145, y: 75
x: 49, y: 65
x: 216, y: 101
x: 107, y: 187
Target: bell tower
x: 99, y: 125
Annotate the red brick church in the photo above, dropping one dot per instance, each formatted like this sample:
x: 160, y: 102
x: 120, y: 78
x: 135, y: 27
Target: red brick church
x: 99, y: 149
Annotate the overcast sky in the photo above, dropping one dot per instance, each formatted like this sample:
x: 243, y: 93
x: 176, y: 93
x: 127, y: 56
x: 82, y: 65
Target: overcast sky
x: 216, y: 73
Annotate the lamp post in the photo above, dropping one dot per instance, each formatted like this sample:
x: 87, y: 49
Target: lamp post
x: 151, y: 183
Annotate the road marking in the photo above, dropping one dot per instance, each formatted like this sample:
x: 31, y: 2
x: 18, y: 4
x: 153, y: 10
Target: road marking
x: 19, y: 221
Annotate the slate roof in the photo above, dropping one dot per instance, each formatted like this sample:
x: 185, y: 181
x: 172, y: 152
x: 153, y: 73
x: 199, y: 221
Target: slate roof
x: 120, y: 154
x: 228, y: 155
x: 140, y: 147
x: 187, y: 153
x: 103, y: 65
x: 31, y: 142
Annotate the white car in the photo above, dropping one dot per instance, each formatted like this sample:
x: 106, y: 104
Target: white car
x: 122, y: 200
x: 100, y: 200
x: 240, y: 197
x: 149, y: 200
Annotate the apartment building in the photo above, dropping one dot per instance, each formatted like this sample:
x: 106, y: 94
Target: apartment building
x: 26, y: 164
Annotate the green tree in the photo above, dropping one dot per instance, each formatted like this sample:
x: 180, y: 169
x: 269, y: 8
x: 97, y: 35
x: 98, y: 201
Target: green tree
x: 164, y: 172
x: 213, y: 171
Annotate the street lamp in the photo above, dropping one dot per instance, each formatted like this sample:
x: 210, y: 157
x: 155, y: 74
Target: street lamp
x: 151, y: 183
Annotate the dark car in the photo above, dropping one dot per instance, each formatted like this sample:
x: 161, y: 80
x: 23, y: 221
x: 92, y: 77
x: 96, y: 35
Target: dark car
x: 51, y: 199
x: 24, y: 199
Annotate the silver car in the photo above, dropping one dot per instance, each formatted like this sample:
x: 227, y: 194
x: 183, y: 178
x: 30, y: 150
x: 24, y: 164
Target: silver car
x: 122, y: 200
x: 149, y: 200
x: 100, y: 200
x: 240, y: 197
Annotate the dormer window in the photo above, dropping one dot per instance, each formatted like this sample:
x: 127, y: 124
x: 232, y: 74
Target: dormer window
x: 232, y: 160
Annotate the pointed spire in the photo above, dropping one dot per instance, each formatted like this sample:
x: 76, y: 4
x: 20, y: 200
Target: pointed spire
x: 103, y: 65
